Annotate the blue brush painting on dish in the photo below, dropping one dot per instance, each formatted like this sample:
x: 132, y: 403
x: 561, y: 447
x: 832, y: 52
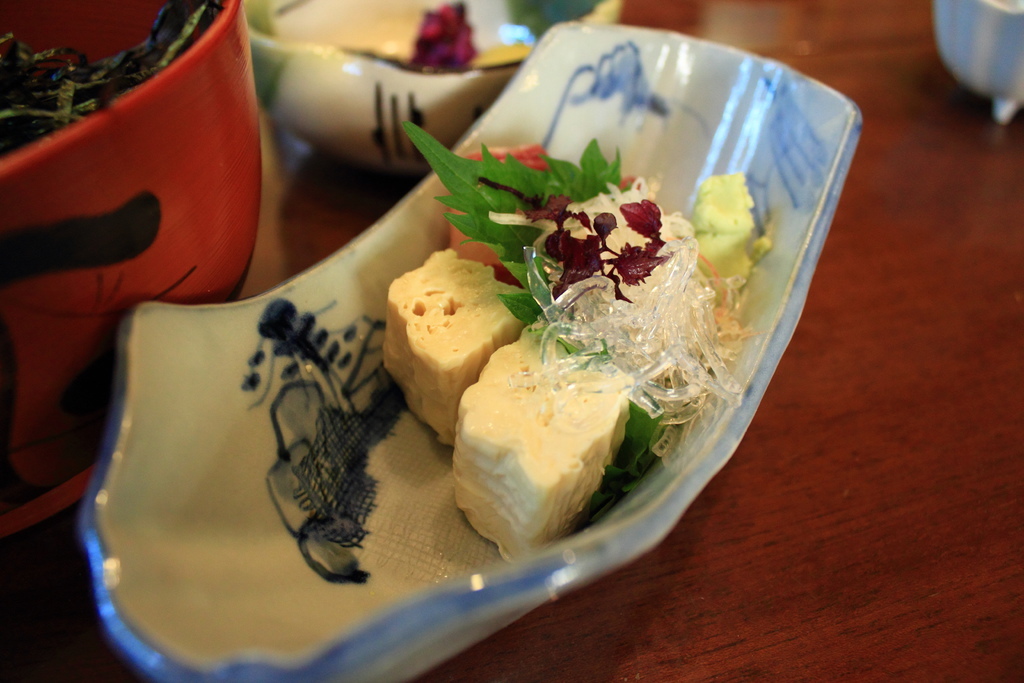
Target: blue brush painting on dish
x: 334, y: 402
x: 800, y: 157
x: 797, y: 157
x: 617, y: 74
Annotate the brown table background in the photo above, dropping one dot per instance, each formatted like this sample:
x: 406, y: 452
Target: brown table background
x: 871, y: 524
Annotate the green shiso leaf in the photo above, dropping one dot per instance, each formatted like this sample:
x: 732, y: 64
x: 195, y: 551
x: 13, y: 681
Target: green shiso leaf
x: 522, y: 305
x: 518, y: 271
x: 591, y: 177
x: 461, y: 177
x: 634, y: 459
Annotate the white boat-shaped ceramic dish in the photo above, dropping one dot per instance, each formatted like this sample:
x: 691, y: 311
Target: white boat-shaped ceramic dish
x: 206, y: 567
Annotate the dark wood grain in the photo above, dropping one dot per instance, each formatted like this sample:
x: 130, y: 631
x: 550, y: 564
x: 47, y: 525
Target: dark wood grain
x: 871, y: 524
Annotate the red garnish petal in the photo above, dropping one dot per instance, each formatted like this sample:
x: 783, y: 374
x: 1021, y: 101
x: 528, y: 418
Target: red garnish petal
x: 643, y: 217
x: 555, y: 244
x: 582, y: 260
x: 555, y: 209
x: 654, y: 245
x: 634, y: 264
x: 604, y: 223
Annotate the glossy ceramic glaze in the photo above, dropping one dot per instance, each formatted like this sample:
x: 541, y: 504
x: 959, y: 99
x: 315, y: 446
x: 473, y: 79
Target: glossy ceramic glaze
x: 981, y: 42
x: 154, y: 197
x: 336, y: 72
x: 265, y: 508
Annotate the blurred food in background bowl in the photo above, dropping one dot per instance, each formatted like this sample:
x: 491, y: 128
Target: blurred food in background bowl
x: 344, y: 74
x: 981, y: 42
x: 151, y: 191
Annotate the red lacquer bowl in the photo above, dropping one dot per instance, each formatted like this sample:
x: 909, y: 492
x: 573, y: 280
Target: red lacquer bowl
x: 154, y: 197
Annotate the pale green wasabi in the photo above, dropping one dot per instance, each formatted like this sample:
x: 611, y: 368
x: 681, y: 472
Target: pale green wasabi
x: 724, y: 225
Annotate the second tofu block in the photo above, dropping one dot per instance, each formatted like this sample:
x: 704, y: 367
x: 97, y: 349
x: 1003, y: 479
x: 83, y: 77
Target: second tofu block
x: 444, y: 321
x: 528, y: 458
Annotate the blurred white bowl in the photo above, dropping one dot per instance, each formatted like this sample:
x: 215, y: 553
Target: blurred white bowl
x: 337, y: 73
x: 981, y: 42
x: 206, y: 566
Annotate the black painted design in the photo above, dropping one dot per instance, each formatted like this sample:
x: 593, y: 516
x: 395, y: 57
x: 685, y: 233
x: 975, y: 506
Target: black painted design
x: 333, y: 403
x: 81, y: 242
x: 388, y: 135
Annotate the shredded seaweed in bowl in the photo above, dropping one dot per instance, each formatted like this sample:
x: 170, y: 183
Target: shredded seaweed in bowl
x: 41, y: 92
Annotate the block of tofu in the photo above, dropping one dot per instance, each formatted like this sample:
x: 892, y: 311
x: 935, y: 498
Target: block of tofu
x: 444, y: 320
x: 527, y: 459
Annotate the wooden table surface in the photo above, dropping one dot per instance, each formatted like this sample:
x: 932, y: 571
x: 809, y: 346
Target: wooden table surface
x: 871, y: 523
